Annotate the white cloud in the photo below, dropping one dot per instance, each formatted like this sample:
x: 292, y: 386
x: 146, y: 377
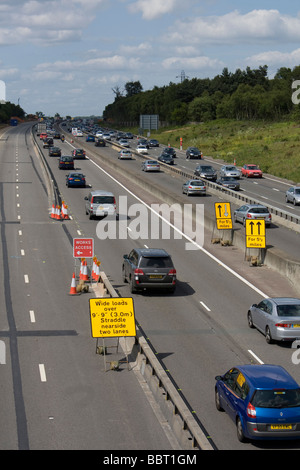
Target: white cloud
x: 152, y: 9
x: 286, y: 59
x: 191, y: 63
x: 257, y: 26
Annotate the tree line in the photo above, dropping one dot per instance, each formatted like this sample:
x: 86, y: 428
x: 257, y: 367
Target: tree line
x: 243, y: 95
x: 9, y: 110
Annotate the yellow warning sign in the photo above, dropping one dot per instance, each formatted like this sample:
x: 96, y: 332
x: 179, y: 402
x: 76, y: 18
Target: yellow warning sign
x: 112, y: 317
x: 223, y: 215
x: 255, y: 233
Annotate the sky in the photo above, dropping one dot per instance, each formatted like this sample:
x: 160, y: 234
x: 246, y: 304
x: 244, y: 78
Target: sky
x: 67, y: 56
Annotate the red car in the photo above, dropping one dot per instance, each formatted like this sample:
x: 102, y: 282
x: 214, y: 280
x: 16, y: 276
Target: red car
x: 251, y: 171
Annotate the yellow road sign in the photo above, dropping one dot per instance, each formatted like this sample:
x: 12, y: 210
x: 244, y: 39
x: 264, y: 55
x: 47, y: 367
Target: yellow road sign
x: 255, y: 233
x: 223, y: 215
x: 256, y: 227
x: 112, y: 317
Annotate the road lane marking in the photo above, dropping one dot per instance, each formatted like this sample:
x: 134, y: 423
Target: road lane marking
x: 23, y: 252
x: 255, y: 356
x: 42, y: 373
x: 205, y: 306
x: 32, y: 316
x: 26, y: 278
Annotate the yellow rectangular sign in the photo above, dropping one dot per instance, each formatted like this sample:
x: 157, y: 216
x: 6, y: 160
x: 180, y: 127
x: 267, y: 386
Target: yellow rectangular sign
x: 256, y: 228
x: 223, y: 215
x: 255, y: 242
x: 112, y: 317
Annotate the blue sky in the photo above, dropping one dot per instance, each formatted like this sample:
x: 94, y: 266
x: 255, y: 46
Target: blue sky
x: 66, y: 56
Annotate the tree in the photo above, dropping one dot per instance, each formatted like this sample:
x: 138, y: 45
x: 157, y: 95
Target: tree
x: 133, y: 88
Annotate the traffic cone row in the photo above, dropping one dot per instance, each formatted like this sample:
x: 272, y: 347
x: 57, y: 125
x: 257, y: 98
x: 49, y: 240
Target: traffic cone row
x: 83, y: 274
x: 64, y: 211
x: 59, y: 213
x: 95, y: 269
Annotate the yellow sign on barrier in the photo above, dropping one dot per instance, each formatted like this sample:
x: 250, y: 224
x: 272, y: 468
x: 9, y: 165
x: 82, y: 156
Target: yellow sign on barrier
x: 112, y: 317
x: 255, y: 233
x: 223, y: 215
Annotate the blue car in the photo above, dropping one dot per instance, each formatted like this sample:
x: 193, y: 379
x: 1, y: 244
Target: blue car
x: 90, y: 138
x: 75, y: 179
x: 262, y: 400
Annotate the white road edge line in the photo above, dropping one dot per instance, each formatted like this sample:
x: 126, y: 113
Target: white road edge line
x: 205, y: 306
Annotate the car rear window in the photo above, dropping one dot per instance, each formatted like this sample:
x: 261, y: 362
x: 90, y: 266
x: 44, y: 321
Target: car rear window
x: 103, y: 200
x: 196, y: 183
x: 158, y: 262
x: 288, y: 310
x: 259, y: 210
x: 277, y: 398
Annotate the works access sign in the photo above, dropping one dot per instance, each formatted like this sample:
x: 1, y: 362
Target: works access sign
x: 83, y: 247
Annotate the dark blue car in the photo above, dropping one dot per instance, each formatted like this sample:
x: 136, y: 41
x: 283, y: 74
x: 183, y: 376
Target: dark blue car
x: 75, y: 179
x: 262, y: 400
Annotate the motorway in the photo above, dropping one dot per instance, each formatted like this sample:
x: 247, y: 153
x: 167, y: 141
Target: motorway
x: 56, y: 393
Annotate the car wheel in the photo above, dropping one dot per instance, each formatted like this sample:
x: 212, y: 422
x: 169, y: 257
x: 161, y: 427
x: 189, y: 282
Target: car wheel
x: 268, y: 336
x: 123, y: 274
x: 286, y: 199
x: 217, y: 401
x: 250, y: 321
x: 239, y: 431
x: 294, y: 202
x: 132, y: 286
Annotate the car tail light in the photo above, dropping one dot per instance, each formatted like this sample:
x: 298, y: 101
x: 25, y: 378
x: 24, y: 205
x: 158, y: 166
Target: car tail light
x: 172, y: 272
x: 138, y: 271
x: 283, y: 325
x: 251, y: 411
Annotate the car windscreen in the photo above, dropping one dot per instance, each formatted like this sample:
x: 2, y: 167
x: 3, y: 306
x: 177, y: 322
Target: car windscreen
x: 277, y: 398
x: 103, y: 200
x: 156, y: 262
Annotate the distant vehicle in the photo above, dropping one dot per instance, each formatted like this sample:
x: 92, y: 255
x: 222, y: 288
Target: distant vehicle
x: 125, y: 154
x: 66, y: 162
x: 191, y: 187
x: 100, y: 142
x: 99, y: 133
x: 153, y: 143
x: 75, y: 179
x: 166, y: 158
x: 230, y: 170
x: 251, y: 171
x: 149, y: 268
x: 193, y: 152
x: 293, y: 195
x: 100, y: 203
x: 54, y: 152
x: 229, y: 183
x: 78, y: 154
x: 56, y: 135
x: 143, y: 141
x: 79, y: 133
x: 150, y: 165
x: 43, y: 135
x: 90, y: 138
x: 48, y: 142
x: 128, y: 135
x: 262, y: 400
x: 170, y: 151
x: 124, y: 143
x: 252, y: 212
x: 106, y: 136
x: 206, y: 171
x: 277, y: 318
x: 142, y: 149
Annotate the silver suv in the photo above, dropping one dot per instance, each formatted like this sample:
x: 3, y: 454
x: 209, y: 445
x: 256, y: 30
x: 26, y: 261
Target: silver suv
x: 100, y: 204
x: 149, y: 268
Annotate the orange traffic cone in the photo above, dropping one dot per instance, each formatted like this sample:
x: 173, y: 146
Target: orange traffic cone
x: 73, y: 286
x: 84, y: 275
x: 64, y: 211
x: 53, y: 212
